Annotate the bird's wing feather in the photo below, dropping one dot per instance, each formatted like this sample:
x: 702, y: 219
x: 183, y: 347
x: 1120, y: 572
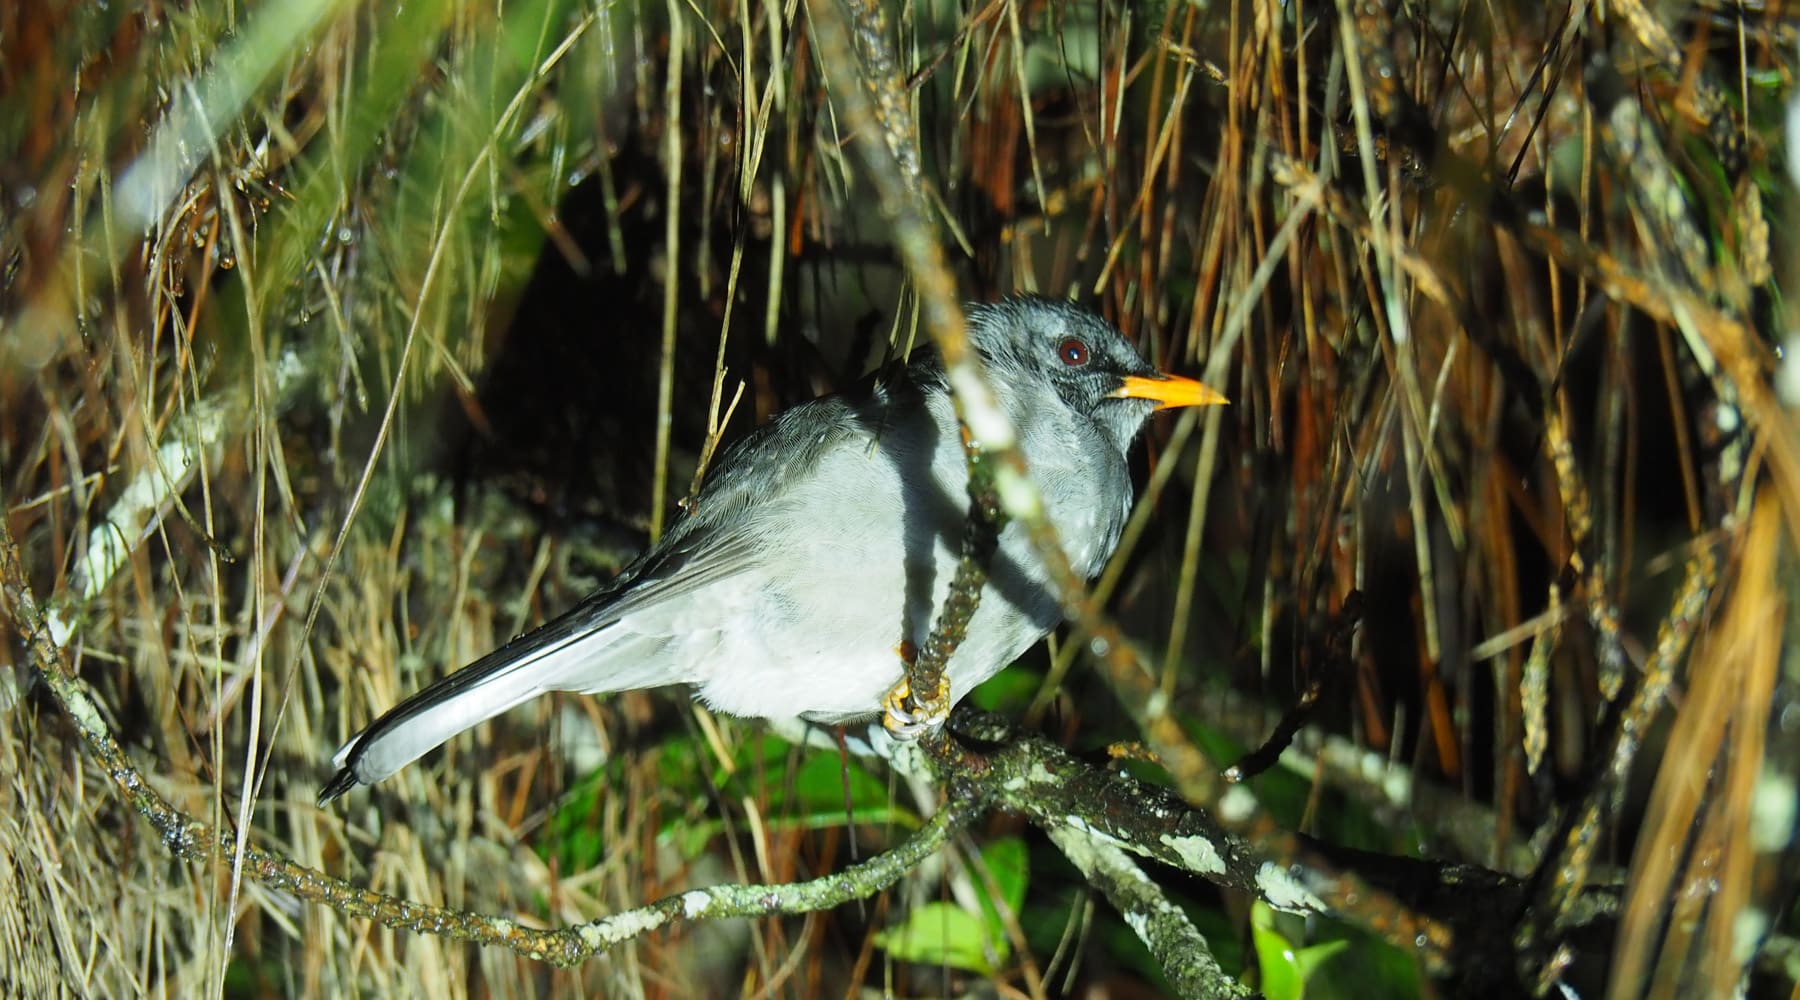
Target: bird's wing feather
x: 591, y: 647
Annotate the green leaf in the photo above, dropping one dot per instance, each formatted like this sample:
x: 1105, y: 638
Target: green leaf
x: 812, y: 798
x: 1280, y: 977
x: 1367, y: 966
x: 946, y: 935
x: 1008, y: 691
x: 1285, y: 968
x: 1008, y: 862
x: 819, y: 787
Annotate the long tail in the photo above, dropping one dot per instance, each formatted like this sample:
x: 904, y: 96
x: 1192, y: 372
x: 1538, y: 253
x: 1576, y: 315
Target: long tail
x: 580, y: 651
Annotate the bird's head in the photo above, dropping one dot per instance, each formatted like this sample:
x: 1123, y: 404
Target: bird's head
x: 1089, y: 365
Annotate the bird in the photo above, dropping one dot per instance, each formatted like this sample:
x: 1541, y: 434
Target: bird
x: 815, y: 552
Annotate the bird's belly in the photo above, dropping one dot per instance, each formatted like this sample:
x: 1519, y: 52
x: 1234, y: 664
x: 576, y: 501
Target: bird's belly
x: 822, y: 639
x: 829, y: 648
x: 830, y: 681
x: 746, y: 682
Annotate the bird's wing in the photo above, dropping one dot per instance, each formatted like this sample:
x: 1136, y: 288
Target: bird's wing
x: 619, y: 638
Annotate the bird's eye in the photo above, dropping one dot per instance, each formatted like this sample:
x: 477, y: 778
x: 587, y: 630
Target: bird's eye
x: 1073, y: 352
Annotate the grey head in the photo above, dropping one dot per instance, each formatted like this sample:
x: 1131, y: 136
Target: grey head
x: 1085, y: 361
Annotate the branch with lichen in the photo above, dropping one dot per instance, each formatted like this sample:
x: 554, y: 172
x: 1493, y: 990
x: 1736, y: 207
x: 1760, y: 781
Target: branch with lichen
x: 1163, y: 927
x: 1453, y: 916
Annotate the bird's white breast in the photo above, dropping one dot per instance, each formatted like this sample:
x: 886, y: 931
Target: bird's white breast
x: 822, y: 638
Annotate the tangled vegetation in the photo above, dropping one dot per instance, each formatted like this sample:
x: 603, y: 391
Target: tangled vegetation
x: 340, y: 342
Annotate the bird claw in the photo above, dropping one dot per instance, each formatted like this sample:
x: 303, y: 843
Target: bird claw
x: 907, y: 718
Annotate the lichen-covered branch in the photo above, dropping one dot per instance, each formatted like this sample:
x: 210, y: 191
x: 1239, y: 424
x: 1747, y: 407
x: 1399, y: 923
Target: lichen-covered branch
x: 1452, y: 916
x: 1162, y: 926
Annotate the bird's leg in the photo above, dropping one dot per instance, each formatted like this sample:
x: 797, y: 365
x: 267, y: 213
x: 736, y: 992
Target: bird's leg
x: 906, y: 717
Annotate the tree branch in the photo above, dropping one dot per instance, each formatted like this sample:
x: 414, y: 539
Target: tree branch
x: 1185, y: 956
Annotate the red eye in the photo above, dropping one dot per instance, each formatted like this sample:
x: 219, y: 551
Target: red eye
x: 1073, y: 352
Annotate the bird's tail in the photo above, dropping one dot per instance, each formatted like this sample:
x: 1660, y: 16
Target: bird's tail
x: 568, y: 654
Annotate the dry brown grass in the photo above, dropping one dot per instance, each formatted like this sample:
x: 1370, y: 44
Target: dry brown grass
x: 429, y: 316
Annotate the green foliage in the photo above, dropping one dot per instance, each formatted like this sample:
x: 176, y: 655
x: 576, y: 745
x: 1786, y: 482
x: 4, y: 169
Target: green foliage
x: 1360, y: 965
x: 1339, y: 816
x: 692, y: 783
x: 945, y: 934
x: 1008, y: 867
x: 1007, y: 692
x: 1286, y: 967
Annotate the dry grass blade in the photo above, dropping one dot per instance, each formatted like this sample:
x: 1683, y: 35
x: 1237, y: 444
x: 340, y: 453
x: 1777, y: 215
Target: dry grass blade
x: 1696, y: 846
x: 340, y: 343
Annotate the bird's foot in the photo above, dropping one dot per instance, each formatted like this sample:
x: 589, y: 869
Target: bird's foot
x: 907, y: 717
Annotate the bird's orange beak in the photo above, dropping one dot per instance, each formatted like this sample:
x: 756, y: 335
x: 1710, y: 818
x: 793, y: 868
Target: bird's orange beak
x: 1170, y: 391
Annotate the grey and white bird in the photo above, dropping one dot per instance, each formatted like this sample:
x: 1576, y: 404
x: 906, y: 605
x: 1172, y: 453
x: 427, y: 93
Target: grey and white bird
x: 821, y: 544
